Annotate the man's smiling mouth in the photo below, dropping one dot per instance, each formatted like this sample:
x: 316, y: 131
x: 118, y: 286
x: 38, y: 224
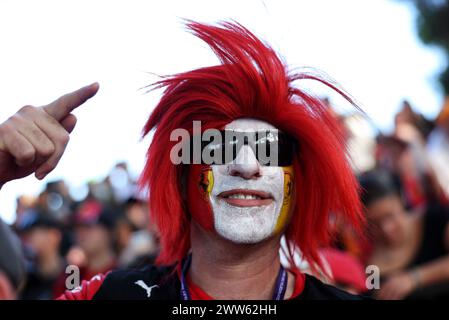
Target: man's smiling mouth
x: 246, y: 198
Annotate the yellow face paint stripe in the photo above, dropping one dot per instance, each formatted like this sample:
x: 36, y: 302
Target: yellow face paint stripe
x: 210, y: 178
x: 287, y: 201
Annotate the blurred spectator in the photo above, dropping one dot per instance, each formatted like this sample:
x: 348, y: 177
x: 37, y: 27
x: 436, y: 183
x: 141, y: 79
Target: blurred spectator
x: 410, y: 248
x: 438, y: 148
x: 404, y: 154
x: 24, y: 203
x: 407, y: 116
x: 135, y: 238
x: 361, y: 142
x: 104, y: 228
x: 56, y: 201
x: 122, y: 183
x: 137, y: 212
x: 42, y: 236
x: 409, y: 164
x: 12, y: 264
x: 93, y: 250
x: 93, y: 224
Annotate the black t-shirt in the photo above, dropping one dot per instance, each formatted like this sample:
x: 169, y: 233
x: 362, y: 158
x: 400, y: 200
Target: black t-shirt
x: 156, y: 283
x: 432, y: 246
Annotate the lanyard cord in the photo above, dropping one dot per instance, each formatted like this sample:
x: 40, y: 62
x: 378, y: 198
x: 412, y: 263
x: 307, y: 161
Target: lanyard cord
x: 279, y: 292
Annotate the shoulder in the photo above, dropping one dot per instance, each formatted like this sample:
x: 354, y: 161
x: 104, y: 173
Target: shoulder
x: 149, y: 282
x: 315, y: 289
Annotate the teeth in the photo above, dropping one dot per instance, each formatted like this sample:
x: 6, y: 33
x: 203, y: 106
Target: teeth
x: 243, y: 196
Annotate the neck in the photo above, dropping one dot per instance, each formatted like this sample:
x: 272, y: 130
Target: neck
x: 227, y: 271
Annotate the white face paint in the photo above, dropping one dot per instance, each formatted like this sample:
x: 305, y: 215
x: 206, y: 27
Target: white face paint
x: 246, y: 197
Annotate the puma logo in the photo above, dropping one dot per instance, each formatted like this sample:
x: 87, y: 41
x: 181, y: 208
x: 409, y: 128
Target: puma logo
x: 145, y: 287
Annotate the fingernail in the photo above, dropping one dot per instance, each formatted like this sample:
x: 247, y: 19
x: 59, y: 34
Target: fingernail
x: 94, y: 84
x: 40, y: 175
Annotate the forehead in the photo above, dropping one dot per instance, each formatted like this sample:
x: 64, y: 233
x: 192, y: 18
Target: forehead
x: 386, y: 205
x: 248, y: 125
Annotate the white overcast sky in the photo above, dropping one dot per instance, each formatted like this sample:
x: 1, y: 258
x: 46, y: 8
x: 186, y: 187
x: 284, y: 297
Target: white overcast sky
x: 48, y: 48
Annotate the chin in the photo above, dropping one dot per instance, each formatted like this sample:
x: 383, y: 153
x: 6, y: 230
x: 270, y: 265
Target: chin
x: 249, y: 225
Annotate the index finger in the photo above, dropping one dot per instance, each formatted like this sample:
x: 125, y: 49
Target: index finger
x: 61, y: 107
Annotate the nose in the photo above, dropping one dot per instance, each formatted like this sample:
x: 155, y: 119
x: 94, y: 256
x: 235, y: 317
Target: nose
x: 245, y: 164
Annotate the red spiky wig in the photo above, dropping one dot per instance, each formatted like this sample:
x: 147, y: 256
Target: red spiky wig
x: 251, y: 82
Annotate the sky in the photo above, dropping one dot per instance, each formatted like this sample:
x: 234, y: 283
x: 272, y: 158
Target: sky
x: 49, y: 48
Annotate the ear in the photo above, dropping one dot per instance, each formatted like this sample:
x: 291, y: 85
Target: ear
x: 6, y: 289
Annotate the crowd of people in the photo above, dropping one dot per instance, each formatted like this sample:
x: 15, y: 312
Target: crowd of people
x: 107, y: 229
x: 404, y: 190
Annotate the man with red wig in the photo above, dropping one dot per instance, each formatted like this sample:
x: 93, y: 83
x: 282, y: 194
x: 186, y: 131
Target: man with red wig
x: 221, y: 221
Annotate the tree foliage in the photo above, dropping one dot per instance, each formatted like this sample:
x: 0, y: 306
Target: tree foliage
x: 433, y: 29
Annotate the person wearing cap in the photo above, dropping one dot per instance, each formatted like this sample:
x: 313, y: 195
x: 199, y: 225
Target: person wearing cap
x: 92, y: 251
x: 94, y: 224
x: 135, y: 238
x: 12, y: 263
x: 42, y: 236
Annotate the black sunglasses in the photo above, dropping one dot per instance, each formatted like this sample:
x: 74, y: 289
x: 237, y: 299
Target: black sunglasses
x: 271, y: 147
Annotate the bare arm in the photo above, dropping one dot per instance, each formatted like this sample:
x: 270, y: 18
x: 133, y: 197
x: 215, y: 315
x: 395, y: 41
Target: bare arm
x: 435, y: 271
x: 402, y: 284
x: 432, y: 272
